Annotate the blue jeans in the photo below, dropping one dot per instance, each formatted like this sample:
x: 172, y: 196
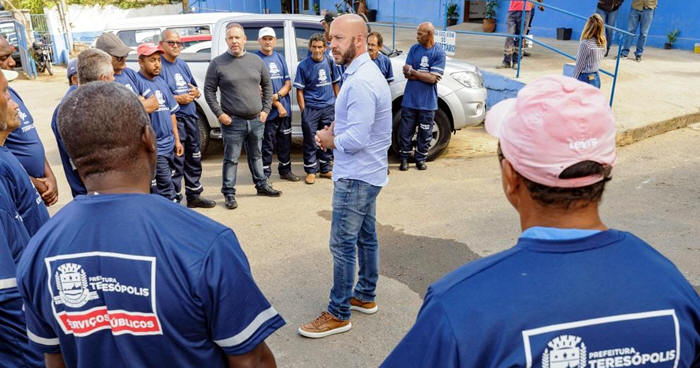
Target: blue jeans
x: 591, y: 78
x: 609, y: 17
x: 641, y: 19
x: 242, y: 132
x: 410, y: 118
x: 353, y: 225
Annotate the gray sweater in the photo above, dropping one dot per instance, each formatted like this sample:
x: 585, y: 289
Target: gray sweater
x: 239, y: 79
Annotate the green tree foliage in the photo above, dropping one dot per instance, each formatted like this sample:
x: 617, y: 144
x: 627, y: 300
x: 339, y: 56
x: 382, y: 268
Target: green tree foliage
x: 37, y: 6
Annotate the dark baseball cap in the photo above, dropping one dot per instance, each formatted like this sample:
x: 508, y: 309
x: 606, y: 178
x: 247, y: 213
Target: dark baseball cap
x: 72, y: 68
x: 111, y: 44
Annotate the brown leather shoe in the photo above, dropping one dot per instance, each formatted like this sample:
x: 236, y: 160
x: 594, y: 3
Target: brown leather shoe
x: 363, y: 307
x: 310, y: 178
x: 327, y: 175
x: 324, y: 325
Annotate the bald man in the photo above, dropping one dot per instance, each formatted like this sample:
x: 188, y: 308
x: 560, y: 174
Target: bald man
x: 359, y: 138
x: 25, y: 143
x: 424, y: 67
x: 183, y: 86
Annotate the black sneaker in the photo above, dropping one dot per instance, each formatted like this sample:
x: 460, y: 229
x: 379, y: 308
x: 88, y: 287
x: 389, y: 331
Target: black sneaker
x: 404, y: 165
x: 505, y: 65
x: 268, y: 191
x: 200, y: 202
x: 231, y: 202
x: 178, y: 198
x: 420, y: 165
x: 637, y: 58
x: 289, y: 177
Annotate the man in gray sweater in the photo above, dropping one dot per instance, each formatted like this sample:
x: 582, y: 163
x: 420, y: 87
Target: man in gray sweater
x: 240, y: 77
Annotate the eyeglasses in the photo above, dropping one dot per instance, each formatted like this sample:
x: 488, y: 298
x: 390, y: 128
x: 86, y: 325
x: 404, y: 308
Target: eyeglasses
x: 174, y: 43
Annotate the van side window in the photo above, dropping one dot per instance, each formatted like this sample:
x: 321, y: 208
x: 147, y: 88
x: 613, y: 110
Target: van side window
x: 251, y: 34
x: 303, y: 34
x: 134, y: 37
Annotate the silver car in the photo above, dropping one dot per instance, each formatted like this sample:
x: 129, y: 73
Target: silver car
x: 461, y: 92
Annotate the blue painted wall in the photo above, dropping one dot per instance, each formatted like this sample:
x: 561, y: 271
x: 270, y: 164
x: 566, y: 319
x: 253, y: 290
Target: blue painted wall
x: 682, y: 15
x: 252, y: 6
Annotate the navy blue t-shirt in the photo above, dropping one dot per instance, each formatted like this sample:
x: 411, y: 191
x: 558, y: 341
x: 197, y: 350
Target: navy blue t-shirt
x: 76, y: 185
x: 130, y: 79
x: 179, y: 77
x: 417, y: 94
x: 24, y: 142
x: 279, y: 74
x: 605, y: 300
x: 316, y: 79
x: 27, y: 200
x: 384, y: 65
x: 13, y: 240
x: 161, y: 119
x: 133, y: 280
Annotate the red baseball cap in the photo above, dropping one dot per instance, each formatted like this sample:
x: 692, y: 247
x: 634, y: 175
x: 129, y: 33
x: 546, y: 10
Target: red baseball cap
x: 554, y: 123
x: 148, y: 49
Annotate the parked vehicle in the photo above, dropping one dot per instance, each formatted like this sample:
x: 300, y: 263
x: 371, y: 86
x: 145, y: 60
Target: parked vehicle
x: 41, y: 51
x: 461, y: 93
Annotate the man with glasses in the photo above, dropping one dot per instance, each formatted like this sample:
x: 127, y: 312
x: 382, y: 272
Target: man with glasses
x: 184, y: 87
x: 25, y: 143
x: 112, y: 45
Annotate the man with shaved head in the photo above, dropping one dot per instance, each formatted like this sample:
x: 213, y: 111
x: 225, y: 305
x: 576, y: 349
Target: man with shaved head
x: 424, y: 67
x: 25, y: 143
x: 359, y: 138
x: 183, y: 86
x: 125, y: 278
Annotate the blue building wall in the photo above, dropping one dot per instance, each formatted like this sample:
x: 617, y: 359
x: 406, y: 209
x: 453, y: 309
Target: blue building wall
x: 670, y: 15
x: 251, y: 6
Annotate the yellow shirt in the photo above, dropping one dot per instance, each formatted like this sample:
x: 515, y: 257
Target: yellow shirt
x: 641, y: 4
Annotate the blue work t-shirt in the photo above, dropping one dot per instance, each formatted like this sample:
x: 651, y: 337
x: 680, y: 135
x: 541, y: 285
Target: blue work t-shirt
x: 161, y: 119
x: 133, y: 280
x: 419, y: 95
x: 316, y: 79
x: 279, y: 74
x: 13, y: 240
x: 384, y: 65
x: 179, y: 77
x: 604, y: 300
x: 130, y: 79
x: 25, y: 196
x: 24, y: 142
x: 76, y: 184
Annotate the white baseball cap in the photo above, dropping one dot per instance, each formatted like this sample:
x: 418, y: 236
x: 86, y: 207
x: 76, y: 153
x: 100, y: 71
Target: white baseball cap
x: 266, y: 31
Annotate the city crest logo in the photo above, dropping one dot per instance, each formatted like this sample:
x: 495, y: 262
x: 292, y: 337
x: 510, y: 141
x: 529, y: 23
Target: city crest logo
x: 72, y: 285
x: 565, y: 351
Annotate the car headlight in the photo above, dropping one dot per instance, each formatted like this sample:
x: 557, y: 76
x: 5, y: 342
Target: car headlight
x: 468, y: 79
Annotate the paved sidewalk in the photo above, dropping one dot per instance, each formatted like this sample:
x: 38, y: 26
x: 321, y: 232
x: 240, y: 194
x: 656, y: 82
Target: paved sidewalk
x: 652, y: 96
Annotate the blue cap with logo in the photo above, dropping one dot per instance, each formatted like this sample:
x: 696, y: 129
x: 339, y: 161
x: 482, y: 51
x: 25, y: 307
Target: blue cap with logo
x: 72, y: 68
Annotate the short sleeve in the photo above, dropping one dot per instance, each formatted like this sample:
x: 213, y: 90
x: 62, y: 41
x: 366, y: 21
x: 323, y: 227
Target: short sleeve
x: 170, y: 100
x: 144, y: 90
x: 41, y: 335
x: 389, y: 75
x: 299, y: 80
x: 190, y: 77
x: 409, y: 57
x: 437, y: 65
x: 238, y: 314
x: 429, y: 343
x: 337, y: 71
x: 285, y: 70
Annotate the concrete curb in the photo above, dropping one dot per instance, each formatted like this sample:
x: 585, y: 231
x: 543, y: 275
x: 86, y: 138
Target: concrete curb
x: 636, y: 134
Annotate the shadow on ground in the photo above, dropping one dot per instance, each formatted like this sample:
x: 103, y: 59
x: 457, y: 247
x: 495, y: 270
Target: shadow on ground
x: 416, y: 261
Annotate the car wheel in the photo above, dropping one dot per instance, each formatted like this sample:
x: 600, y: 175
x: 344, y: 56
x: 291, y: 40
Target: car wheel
x: 203, y: 128
x: 442, y: 133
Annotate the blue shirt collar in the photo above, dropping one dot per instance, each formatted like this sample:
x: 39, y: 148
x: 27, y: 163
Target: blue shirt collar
x: 357, y: 63
x: 552, y: 233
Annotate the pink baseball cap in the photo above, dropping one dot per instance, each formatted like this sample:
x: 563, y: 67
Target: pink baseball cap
x: 148, y: 49
x: 554, y: 123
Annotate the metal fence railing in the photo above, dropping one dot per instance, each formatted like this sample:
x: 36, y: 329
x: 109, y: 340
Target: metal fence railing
x: 621, y: 34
